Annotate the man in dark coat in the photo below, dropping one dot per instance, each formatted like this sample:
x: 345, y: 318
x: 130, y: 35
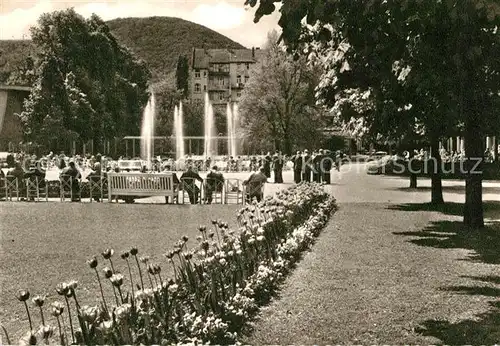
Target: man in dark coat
x: 306, y: 166
x: 326, y: 166
x: 73, y: 172
x: 213, y: 183
x: 190, y: 184
x: 278, y: 167
x: 297, y: 167
x: 267, y: 165
x: 255, y: 185
x: 318, y: 157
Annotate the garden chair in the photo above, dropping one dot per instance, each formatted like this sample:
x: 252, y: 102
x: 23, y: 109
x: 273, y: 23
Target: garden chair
x: 233, y: 191
x: 12, y: 186
x: 254, y: 190
x: 96, y: 187
x: 69, y: 187
x: 188, y: 185
x: 213, y: 190
x: 36, y: 186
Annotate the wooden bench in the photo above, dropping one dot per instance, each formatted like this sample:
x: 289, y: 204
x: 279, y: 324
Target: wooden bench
x: 141, y: 185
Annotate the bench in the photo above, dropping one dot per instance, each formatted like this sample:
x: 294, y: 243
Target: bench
x: 141, y: 185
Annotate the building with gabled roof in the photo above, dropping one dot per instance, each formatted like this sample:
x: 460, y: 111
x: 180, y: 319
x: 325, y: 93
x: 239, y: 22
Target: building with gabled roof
x: 221, y: 72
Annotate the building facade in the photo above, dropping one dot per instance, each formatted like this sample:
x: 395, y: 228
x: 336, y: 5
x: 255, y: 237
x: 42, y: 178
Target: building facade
x: 11, y: 103
x: 222, y: 73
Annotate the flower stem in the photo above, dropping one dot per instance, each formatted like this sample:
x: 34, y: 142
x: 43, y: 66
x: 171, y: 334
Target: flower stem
x: 29, y: 316
x: 102, y: 292
x: 121, y: 295
x: 116, y: 297
x: 131, y: 281
x: 61, y: 337
x: 70, y: 320
x: 41, y: 314
x: 140, y: 272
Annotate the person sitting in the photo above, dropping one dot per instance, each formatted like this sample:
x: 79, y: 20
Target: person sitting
x: 17, y: 172
x: 36, y: 172
x: 75, y: 174
x: 255, y: 184
x: 189, y: 184
x: 213, y: 183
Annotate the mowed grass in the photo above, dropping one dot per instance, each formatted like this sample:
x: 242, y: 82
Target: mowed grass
x: 43, y: 244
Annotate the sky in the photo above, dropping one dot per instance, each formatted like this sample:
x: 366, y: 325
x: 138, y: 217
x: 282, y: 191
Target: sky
x: 228, y: 17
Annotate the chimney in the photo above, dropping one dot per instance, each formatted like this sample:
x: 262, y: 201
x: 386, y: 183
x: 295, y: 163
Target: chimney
x: 253, y: 52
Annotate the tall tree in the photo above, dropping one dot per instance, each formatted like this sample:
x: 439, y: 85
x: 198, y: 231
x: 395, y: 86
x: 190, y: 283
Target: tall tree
x: 448, y: 51
x: 278, y: 101
x: 182, y: 75
x: 85, y: 85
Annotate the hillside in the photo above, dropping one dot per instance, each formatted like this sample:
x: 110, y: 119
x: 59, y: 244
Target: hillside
x: 157, y: 40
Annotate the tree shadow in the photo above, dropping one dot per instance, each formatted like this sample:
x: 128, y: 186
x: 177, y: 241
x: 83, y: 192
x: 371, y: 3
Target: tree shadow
x: 491, y: 208
x: 458, y: 189
x: 484, y: 243
x: 483, y: 329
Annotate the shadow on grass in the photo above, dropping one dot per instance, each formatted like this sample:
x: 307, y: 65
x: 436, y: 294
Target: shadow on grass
x: 491, y: 208
x: 460, y: 189
x: 483, y: 329
x: 484, y: 243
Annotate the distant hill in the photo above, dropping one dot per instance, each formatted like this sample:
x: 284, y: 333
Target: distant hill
x: 157, y: 40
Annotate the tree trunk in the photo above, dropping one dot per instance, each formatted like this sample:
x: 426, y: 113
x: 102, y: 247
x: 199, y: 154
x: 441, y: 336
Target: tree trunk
x: 287, y: 145
x: 473, y: 209
x: 413, y: 181
x: 436, y: 183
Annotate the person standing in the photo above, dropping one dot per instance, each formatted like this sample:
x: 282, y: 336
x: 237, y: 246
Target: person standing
x: 267, y: 165
x: 306, y: 167
x: 326, y: 166
x: 278, y: 167
x: 317, y: 166
x: 297, y: 167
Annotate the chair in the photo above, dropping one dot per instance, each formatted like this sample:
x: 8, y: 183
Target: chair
x: 12, y: 186
x: 213, y: 190
x: 96, y: 187
x: 69, y: 187
x: 36, y: 186
x: 188, y: 185
x: 233, y: 191
x: 254, y: 190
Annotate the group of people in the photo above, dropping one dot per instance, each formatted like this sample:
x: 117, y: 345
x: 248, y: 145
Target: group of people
x: 315, y: 166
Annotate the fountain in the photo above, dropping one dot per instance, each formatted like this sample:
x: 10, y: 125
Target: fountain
x: 179, y: 131
x: 232, y: 128
x: 209, y: 148
x: 147, y: 131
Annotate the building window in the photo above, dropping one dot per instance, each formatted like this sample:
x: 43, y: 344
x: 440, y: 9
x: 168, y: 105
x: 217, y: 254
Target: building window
x: 238, y: 79
x: 204, y: 88
x: 197, y: 88
x: 221, y: 81
x: 248, y: 66
x: 238, y: 94
x: 204, y: 74
x: 246, y: 79
x: 239, y: 65
x: 221, y: 96
x: 197, y: 73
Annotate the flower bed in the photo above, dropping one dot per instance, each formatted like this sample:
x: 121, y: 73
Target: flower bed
x: 218, y: 283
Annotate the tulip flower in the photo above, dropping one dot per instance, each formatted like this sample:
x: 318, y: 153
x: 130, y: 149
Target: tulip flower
x: 23, y: 296
x: 134, y: 251
x: 92, y: 262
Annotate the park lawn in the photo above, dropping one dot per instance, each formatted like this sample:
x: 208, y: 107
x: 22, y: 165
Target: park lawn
x: 43, y: 244
x: 391, y: 274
